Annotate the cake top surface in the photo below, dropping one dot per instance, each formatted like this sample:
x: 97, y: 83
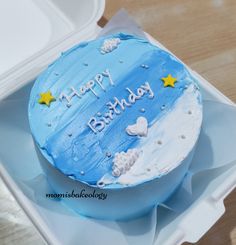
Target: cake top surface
x: 115, y: 111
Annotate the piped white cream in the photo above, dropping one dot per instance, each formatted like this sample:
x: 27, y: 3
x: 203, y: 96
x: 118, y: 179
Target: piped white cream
x: 140, y: 128
x: 109, y: 45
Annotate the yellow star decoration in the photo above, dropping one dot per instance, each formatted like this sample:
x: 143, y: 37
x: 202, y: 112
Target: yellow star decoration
x: 169, y: 81
x: 46, y: 98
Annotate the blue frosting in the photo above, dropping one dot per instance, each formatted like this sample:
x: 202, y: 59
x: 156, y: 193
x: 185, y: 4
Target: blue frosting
x: 62, y: 133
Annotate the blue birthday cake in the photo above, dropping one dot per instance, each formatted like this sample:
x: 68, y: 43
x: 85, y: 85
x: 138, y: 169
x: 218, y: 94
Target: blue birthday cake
x: 115, y: 112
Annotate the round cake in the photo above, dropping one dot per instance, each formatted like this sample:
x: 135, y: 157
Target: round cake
x: 119, y: 115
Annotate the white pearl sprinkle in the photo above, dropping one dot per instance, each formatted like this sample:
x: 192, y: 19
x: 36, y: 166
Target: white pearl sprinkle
x: 101, y: 184
x: 142, y: 110
x: 76, y: 159
x: 108, y: 154
x: 163, y: 107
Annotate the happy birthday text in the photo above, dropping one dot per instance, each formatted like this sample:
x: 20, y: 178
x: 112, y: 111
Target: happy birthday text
x: 115, y: 107
x: 87, y: 87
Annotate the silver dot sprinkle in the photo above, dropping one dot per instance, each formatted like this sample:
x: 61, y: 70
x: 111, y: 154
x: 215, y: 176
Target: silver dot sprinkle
x: 163, y: 107
x: 108, y: 154
x: 144, y: 66
x: 142, y: 110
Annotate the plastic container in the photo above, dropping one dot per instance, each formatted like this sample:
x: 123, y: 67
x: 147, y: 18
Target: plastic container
x: 59, y: 26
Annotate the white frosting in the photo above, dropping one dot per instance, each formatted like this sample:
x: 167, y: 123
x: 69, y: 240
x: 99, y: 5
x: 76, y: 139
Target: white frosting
x: 123, y: 161
x: 140, y: 128
x: 169, y: 141
x: 109, y: 45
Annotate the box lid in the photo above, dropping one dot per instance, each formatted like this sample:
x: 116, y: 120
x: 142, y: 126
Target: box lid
x: 34, y: 28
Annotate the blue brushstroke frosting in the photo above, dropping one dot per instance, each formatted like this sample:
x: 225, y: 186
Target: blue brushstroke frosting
x: 61, y: 130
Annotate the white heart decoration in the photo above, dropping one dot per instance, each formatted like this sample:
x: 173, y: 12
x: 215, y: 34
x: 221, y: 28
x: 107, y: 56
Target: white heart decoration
x: 140, y: 128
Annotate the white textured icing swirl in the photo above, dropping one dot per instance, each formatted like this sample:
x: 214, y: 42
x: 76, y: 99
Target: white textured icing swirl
x: 123, y: 161
x: 109, y: 45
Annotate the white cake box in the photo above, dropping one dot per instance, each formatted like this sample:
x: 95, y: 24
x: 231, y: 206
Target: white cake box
x: 34, y: 33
